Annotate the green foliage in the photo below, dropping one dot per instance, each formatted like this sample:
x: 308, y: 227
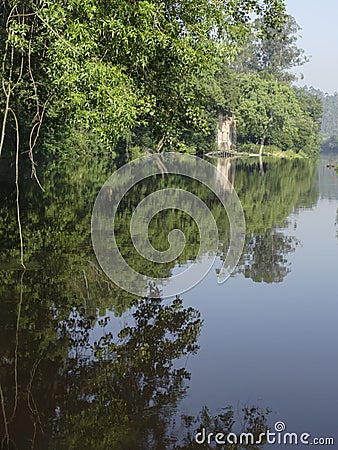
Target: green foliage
x: 274, y: 52
x: 267, y: 110
x: 257, y: 87
x: 108, y: 67
x: 274, y: 113
x: 150, y: 75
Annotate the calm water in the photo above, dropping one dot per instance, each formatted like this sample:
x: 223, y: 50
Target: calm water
x: 86, y: 365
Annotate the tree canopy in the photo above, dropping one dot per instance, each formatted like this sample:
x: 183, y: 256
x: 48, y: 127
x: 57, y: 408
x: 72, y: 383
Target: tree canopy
x: 107, y: 67
x: 275, y: 52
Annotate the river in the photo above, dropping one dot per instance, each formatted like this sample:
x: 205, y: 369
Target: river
x: 85, y: 364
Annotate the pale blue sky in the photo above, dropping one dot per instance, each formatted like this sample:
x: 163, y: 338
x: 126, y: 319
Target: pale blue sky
x: 319, y: 22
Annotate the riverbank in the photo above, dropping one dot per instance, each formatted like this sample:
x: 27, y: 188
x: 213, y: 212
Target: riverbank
x: 269, y: 151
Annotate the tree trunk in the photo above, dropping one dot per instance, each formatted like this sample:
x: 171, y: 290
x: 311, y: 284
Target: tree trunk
x: 160, y: 144
x: 262, y: 146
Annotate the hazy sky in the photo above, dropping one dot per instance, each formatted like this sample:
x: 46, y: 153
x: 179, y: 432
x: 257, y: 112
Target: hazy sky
x: 319, y: 22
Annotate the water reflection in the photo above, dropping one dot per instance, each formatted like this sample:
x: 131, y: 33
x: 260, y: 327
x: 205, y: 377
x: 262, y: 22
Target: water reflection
x: 58, y: 390
x: 268, y: 198
x: 227, y: 168
x: 118, y: 393
x: 265, y: 257
x: 328, y: 179
x: 129, y: 383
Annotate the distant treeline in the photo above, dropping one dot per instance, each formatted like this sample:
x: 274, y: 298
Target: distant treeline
x: 330, y: 123
x: 330, y: 114
x: 329, y: 127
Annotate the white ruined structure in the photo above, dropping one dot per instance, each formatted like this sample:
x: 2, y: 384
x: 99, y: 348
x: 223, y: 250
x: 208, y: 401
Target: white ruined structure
x: 227, y: 136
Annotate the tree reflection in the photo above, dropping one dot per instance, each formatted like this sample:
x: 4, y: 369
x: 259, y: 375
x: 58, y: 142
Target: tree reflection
x: 119, y: 392
x: 116, y: 393
x: 58, y: 389
x: 254, y: 421
x: 268, y: 198
x: 130, y: 383
x: 265, y: 258
x: 56, y: 227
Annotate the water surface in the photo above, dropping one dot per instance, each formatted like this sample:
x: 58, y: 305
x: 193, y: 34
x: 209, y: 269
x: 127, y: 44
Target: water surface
x: 258, y: 349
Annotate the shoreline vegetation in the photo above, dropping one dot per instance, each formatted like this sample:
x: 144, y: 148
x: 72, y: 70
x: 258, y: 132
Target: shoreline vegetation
x: 126, y: 78
x: 269, y: 152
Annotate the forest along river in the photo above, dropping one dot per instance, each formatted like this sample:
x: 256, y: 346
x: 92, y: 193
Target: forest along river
x: 265, y: 352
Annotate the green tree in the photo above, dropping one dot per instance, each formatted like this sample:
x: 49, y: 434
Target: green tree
x: 274, y: 52
x: 307, y: 137
x: 107, y: 67
x: 266, y: 111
